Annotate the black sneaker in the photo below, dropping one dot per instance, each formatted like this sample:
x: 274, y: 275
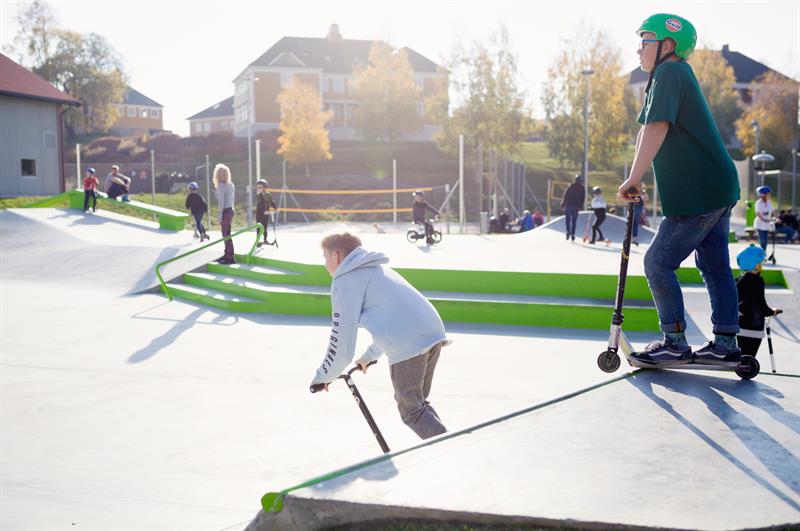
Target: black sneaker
x: 713, y: 354
x: 663, y: 352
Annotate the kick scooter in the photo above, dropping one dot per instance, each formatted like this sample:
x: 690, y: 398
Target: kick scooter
x: 361, y: 405
x: 274, y: 232
x: 609, y: 360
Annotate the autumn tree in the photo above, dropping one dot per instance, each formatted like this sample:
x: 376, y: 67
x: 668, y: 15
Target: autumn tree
x: 84, y: 65
x: 563, y: 98
x: 492, y: 111
x: 716, y: 79
x: 304, y: 139
x: 387, y: 96
x: 775, y: 109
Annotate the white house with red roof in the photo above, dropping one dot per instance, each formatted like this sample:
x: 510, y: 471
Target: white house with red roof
x: 31, y: 117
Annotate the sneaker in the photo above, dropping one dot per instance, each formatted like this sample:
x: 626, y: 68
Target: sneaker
x: 663, y: 352
x: 228, y: 261
x: 712, y: 354
x: 635, y: 242
x: 220, y: 260
x: 568, y: 236
x: 572, y: 237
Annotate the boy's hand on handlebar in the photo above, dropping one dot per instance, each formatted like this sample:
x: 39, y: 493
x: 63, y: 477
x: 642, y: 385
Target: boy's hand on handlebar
x: 625, y: 194
x: 316, y: 388
x: 776, y: 311
x: 362, y: 367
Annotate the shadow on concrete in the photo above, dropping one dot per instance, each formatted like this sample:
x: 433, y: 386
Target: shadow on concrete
x: 711, y: 390
x: 382, y: 471
x: 166, y: 339
x: 95, y: 219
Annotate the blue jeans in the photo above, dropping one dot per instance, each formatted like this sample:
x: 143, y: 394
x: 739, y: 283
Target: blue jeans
x: 571, y: 214
x: 707, y: 236
x: 762, y: 238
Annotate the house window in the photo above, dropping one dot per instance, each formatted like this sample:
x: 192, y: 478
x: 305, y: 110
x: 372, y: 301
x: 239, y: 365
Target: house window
x: 154, y: 113
x: 206, y: 127
x: 28, y: 167
x: 49, y: 140
x: 131, y: 111
x: 420, y: 108
x: 338, y: 85
x: 143, y: 113
x: 225, y: 124
x: 286, y: 79
x: 746, y: 95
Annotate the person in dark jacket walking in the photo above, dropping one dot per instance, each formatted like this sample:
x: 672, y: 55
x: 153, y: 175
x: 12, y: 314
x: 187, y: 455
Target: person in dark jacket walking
x: 572, y: 203
x: 198, y: 207
x: 753, y: 308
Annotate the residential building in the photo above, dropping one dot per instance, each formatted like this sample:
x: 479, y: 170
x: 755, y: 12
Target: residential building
x: 218, y: 117
x: 328, y: 64
x: 747, y: 72
x: 31, y: 118
x: 138, y: 115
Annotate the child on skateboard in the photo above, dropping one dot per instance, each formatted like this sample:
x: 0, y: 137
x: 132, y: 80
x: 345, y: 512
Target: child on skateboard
x: 402, y: 322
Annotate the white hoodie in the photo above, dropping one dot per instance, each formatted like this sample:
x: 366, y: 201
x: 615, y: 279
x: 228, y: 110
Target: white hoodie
x: 402, y: 322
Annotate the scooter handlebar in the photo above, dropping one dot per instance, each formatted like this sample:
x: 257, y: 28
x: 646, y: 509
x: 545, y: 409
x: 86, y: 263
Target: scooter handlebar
x: 319, y: 387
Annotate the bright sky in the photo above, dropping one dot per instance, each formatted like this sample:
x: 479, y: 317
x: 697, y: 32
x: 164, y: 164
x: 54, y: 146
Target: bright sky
x: 185, y: 55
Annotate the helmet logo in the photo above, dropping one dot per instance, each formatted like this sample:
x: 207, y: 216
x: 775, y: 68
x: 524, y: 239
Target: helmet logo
x: 673, y: 24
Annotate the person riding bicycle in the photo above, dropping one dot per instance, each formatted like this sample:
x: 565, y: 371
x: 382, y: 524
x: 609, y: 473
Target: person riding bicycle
x: 419, y: 208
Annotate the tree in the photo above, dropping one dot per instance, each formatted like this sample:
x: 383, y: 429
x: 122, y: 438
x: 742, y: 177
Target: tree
x: 493, y: 111
x: 563, y: 98
x: 83, y: 65
x: 775, y: 109
x: 387, y: 96
x: 304, y: 139
x: 36, y: 34
x: 89, y: 69
x: 716, y: 79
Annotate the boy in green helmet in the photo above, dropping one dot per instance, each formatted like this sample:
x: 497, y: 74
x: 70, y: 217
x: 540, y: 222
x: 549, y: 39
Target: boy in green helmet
x: 698, y: 186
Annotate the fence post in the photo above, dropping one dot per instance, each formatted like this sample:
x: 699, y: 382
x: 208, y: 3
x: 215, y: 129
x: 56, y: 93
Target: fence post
x: 153, y: 175
x: 78, y: 162
x: 208, y: 190
x: 394, y: 191
x: 549, y: 196
x: 461, y: 210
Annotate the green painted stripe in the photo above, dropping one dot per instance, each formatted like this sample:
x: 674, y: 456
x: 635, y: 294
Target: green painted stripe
x: 273, y: 501
x: 772, y: 277
x: 557, y: 315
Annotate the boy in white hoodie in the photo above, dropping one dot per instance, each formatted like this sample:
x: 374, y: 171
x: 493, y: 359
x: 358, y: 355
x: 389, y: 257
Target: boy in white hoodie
x: 402, y: 322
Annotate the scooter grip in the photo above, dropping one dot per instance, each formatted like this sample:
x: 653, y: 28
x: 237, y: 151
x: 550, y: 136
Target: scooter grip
x: 316, y: 387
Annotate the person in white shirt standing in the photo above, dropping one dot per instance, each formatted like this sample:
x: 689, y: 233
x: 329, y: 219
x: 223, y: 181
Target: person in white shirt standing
x: 599, y: 208
x: 763, y: 215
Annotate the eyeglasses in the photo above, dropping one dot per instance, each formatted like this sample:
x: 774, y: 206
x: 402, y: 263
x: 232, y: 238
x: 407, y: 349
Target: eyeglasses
x: 645, y: 42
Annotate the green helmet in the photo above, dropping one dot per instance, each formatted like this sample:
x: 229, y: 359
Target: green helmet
x: 673, y: 27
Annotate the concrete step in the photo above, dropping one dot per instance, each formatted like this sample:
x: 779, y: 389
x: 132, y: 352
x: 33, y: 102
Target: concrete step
x: 217, y: 299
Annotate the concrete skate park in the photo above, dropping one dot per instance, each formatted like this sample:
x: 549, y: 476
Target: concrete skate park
x: 123, y: 409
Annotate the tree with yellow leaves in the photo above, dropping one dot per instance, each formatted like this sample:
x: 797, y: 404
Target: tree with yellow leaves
x: 563, y: 97
x: 775, y: 109
x: 716, y: 79
x: 387, y: 96
x: 304, y: 139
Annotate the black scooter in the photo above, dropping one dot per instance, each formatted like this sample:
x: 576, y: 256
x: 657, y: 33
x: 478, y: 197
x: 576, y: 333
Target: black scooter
x: 361, y: 404
x: 609, y: 360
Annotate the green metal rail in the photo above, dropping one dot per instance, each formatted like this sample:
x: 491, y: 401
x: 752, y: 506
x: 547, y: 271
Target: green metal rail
x: 259, y: 232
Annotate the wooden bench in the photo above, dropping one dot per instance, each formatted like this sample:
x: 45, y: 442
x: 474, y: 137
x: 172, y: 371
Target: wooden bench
x: 167, y: 219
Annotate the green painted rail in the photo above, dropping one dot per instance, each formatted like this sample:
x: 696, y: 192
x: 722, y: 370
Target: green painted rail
x: 259, y: 232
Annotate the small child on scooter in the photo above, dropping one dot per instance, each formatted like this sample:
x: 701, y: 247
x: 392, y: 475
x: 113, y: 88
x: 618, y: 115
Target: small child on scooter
x: 753, y: 306
x: 198, y: 207
x: 263, y: 207
x: 418, y: 208
x: 698, y: 186
x: 402, y: 322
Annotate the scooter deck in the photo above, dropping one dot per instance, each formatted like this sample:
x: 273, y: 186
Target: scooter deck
x: 692, y: 366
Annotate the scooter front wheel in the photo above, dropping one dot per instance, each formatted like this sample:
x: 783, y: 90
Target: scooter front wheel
x: 608, y: 361
x: 412, y: 236
x: 436, y: 236
x: 748, y: 368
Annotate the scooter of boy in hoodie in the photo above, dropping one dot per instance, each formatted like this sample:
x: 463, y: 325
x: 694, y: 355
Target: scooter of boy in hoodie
x: 403, y: 323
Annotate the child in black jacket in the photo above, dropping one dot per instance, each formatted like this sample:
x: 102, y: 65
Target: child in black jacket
x: 753, y: 308
x: 198, y: 207
x: 264, y: 206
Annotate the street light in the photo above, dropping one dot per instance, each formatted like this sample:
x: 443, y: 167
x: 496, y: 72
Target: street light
x: 586, y: 73
x: 762, y: 159
x: 757, y: 132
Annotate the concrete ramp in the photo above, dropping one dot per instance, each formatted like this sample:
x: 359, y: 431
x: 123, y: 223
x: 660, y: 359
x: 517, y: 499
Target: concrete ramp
x: 105, y: 250
x: 613, y: 227
x: 652, y: 449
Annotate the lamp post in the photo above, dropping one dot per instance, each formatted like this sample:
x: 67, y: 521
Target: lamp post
x: 586, y: 73
x: 762, y: 159
x: 757, y: 132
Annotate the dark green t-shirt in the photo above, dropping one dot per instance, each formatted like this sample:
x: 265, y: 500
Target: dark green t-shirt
x: 693, y: 170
